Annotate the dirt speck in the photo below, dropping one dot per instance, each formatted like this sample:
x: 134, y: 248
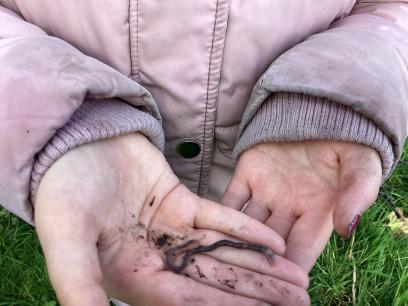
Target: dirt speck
x: 273, y: 284
x: 230, y: 283
x: 194, y: 301
x: 200, y: 274
x: 192, y: 260
x: 248, y: 276
x: 258, y: 283
x: 152, y: 201
x: 243, y: 228
x: 284, y: 291
x: 141, y: 237
x: 135, y: 270
x: 163, y: 239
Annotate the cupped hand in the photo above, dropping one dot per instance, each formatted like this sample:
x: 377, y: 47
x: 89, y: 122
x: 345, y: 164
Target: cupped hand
x: 300, y: 189
x: 107, y: 212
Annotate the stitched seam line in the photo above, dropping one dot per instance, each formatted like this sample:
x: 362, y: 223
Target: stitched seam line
x: 130, y: 39
x: 213, y: 83
x: 134, y: 39
x: 137, y: 42
x: 207, y: 98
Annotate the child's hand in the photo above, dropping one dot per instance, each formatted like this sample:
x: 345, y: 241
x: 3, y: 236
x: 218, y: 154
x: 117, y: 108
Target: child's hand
x: 299, y: 189
x: 106, y: 213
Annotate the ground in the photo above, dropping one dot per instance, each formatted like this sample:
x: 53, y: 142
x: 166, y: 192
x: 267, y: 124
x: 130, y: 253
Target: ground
x: 369, y: 269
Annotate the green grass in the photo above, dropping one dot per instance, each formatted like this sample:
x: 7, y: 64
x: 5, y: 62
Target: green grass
x: 23, y: 277
x: 377, y: 255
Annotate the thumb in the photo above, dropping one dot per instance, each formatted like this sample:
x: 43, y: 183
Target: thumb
x: 360, y: 180
x: 237, y: 193
x: 69, y: 246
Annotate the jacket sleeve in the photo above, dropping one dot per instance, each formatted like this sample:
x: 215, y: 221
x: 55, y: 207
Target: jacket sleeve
x: 54, y: 98
x: 348, y: 83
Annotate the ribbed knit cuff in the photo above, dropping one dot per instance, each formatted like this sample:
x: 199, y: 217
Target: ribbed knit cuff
x: 94, y: 120
x: 296, y: 117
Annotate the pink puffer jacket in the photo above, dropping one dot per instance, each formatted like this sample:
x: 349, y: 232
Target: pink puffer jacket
x: 215, y: 74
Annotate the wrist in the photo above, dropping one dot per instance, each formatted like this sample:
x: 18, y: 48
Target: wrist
x: 95, y: 120
x: 285, y: 117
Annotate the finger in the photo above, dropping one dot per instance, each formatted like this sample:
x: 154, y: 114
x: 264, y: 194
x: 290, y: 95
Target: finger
x: 360, y: 182
x: 210, y: 215
x: 308, y: 238
x: 281, y: 223
x: 255, y: 261
x: 69, y: 247
x: 257, y: 211
x: 169, y: 289
x: 237, y: 193
x: 210, y: 271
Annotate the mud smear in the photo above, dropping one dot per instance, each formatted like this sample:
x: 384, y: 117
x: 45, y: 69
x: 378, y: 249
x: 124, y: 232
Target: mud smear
x: 162, y: 240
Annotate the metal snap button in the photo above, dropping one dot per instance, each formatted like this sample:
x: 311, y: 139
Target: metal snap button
x: 188, y: 149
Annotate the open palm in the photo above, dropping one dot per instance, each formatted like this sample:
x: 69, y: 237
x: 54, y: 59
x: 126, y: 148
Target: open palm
x: 107, y: 212
x: 299, y: 189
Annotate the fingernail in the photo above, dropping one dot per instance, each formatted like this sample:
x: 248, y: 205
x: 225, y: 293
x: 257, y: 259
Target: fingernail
x: 353, y: 225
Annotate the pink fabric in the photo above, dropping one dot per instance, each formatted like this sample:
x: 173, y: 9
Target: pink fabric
x: 200, y: 61
x: 39, y: 91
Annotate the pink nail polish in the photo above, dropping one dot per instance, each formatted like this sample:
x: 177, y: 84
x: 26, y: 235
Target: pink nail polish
x: 353, y: 225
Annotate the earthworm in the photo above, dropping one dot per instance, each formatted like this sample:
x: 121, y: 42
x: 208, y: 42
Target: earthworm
x: 173, y: 252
